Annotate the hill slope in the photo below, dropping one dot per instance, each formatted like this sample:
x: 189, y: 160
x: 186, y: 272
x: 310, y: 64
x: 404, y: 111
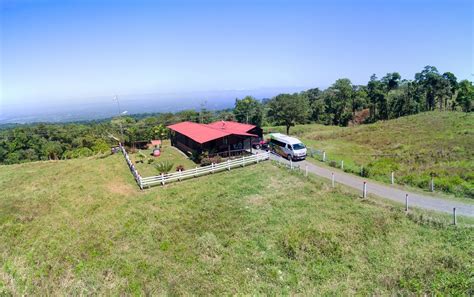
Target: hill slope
x: 82, y: 227
x: 438, y: 143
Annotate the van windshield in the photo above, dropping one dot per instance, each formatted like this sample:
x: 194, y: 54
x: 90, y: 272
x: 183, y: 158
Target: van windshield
x: 298, y: 146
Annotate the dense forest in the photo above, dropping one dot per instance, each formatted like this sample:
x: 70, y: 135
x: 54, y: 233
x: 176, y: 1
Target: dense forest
x: 343, y: 103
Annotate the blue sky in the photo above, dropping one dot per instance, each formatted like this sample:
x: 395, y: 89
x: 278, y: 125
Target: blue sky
x: 52, y: 50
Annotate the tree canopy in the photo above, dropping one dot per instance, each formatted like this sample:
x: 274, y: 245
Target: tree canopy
x: 289, y: 109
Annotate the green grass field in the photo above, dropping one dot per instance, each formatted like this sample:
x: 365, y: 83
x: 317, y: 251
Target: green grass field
x: 414, y: 147
x: 83, y: 227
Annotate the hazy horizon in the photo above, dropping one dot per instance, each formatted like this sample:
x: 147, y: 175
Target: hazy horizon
x: 104, y: 106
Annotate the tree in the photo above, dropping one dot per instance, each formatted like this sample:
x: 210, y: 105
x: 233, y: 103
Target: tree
x: 436, y: 87
x: 359, y: 98
x: 160, y: 132
x: 465, y: 97
x: 289, y: 109
x: 453, y: 85
x: 189, y: 115
x: 451, y: 78
x: 226, y: 116
x: 391, y: 81
x: 338, y: 100
x: 375, y: 94
x: 53, y: 150
x: 248, y: 110
x: 317, y: 110
x: 316, y: 103
x: 402, y: 101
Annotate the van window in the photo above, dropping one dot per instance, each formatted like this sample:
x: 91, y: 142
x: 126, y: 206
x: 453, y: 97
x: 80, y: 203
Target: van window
x: 288, y: 146
x: 276, y: 142
x: 298, y: 146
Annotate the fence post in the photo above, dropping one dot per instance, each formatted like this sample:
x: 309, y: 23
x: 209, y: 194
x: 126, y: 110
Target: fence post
x: 306, y: 170
x: 393, y: 178
x: 342, y: 164
x: 364, y: 190
x: 228, y: 164
x: 162, y: 179
x: 243, y: 161
x: 432, y: 185
x: 406, y: 202
x: 195, y: 172
x: 454, y: 216
x: 332, y: 179
x: 212, y: 167
x: 324, y: 156
x: 180, y: 174
x: 257, y: 157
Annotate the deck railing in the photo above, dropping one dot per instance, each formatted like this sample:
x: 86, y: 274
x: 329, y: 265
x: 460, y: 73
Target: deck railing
x: 231, y: 153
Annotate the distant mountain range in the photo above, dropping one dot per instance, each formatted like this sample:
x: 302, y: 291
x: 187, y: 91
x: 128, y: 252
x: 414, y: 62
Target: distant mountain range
x: 105, y: 106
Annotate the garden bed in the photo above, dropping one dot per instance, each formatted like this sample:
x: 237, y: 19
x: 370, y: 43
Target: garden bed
x: 146, y: 163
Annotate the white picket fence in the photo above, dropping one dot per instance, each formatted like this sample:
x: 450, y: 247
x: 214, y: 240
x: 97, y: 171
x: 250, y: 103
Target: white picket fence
x: 180, y: 175
x: 132, y: 168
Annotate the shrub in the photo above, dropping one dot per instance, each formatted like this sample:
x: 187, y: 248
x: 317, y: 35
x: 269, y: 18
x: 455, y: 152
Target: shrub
x: 382, y: 167
x: 78, y: 153
x: 140, y: 157
x: 206, y: 161
x: 365, y: 172
x: 164, y: 167
x: 179, y: 167
x: 216, y: 159
x: 150, y: 161
x: 333, y: 163
x: 101, y: 146
x: 196, y: 157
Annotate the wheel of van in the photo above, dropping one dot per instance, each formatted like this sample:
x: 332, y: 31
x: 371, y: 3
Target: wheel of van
x: 289, y: 158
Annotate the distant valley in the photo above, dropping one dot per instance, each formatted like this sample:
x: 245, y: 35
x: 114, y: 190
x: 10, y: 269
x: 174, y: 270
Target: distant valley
x: 105, y: 106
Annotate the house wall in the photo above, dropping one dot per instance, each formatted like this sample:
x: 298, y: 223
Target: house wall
x: 184, y: 143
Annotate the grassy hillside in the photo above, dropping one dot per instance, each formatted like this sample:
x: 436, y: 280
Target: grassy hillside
x: 82, y: 227
x: 439, y: 143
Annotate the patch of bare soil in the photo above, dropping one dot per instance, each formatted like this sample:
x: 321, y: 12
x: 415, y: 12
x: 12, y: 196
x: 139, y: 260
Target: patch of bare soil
x: 256, y: 200
x: 120, y: 188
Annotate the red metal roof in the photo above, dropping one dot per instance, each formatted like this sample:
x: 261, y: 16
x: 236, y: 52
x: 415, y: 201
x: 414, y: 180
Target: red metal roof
x: 202, y: 133
x: 223, y: 125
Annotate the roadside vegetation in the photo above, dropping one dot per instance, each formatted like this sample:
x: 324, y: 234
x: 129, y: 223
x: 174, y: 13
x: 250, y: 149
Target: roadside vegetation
x: 416, y: 148
x: 82, y: 227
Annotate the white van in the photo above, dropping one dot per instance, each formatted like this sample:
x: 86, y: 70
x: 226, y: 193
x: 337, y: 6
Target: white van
x: 287, y: 147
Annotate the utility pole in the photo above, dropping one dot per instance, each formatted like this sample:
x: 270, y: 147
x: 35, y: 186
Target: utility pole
x: 120, y: 120
x: 201, y: 111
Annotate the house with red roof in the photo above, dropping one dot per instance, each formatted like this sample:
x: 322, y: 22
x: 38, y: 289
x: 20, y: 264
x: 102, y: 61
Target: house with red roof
x: 221, y: 137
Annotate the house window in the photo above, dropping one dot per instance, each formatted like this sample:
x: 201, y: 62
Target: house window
x: 225, y: 140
